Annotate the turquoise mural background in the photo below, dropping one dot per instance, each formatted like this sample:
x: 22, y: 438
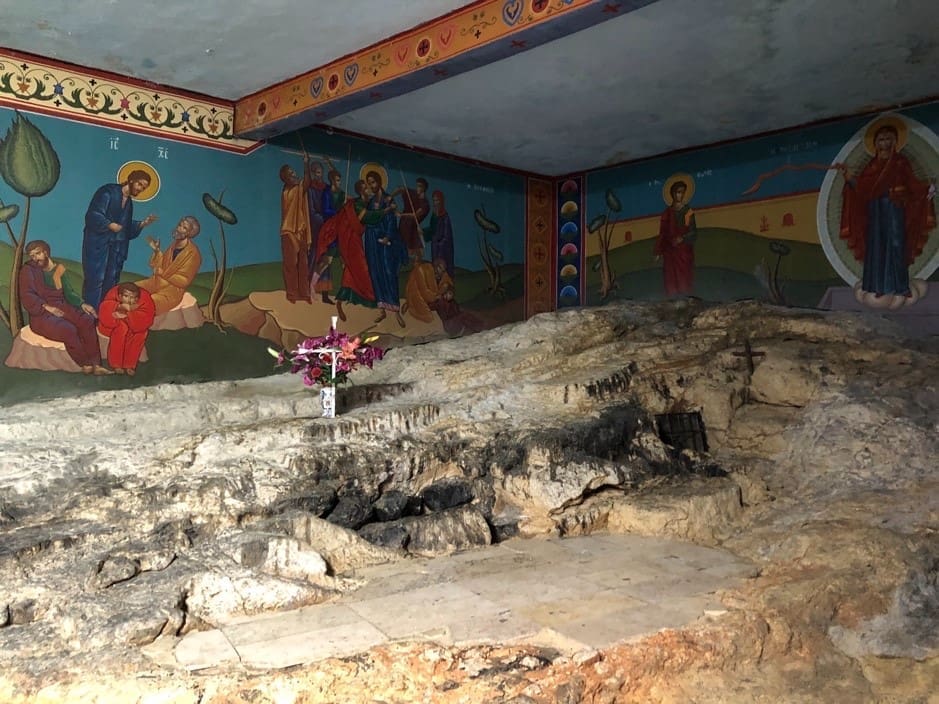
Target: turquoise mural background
x: 733, y: 257
x: 249, y: 185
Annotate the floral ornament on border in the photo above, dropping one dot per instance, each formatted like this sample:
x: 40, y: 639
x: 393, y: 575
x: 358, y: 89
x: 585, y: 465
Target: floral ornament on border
x: 103, y: 98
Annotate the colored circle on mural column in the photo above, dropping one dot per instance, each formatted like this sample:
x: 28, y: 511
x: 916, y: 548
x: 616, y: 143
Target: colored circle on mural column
x: 569, y: 231
x: 150, y: 191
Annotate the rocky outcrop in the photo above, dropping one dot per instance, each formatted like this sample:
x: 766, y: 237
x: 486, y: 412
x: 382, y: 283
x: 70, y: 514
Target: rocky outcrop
x: 157, y: 511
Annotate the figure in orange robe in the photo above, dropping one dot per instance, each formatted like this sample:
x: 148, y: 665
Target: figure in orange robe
x: 125, y: 317
x: 425, y: 288
x: 295, y: 236
x: 175, y: 268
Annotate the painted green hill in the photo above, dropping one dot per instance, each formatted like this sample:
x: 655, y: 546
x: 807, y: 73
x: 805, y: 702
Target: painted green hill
x: 470, y: 285
x: 735, y: 250
x: 725, y: 264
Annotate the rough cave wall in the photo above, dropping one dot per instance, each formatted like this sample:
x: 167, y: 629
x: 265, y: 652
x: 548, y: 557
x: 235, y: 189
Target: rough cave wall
x: 768, y: 218
x: 66, y: 133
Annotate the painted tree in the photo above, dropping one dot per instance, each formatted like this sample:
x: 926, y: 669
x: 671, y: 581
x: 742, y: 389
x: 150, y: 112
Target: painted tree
x: 30, y: 166
x: 222, y: 279
x: 491, y: 256
x: 602, y: 226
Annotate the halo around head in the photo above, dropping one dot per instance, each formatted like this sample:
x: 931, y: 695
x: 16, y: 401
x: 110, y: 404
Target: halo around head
x: 895, y: 121
x: 150, y: 191
x: 670, y: 181
x: 374, y: 166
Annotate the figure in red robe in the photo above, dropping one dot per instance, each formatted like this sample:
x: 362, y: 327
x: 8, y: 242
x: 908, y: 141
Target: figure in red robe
x: 887, y: 214
x: 677, y: 233
x: 56, y: 311
x: 344, y: 231
x: 125, y: 317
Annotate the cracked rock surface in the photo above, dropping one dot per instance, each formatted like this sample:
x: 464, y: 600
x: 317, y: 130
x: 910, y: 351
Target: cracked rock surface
x: 134, y: 516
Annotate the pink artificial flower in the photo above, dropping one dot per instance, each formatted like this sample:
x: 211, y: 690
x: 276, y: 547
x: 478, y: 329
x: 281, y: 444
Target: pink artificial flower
x: 348, y: 349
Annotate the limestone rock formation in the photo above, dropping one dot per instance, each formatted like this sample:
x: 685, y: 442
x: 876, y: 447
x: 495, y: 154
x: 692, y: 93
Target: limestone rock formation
x: 130, y: 518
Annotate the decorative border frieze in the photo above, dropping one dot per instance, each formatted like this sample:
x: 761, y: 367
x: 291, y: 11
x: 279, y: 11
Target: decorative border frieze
x: 470, y: 37
x: 40, y: 85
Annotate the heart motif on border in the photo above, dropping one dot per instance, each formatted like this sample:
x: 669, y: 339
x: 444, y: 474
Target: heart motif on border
x: 350, y: 73
x: 446, y: 36
x: 401, y: 53
x: 511, y: 12
x: 316, y: 86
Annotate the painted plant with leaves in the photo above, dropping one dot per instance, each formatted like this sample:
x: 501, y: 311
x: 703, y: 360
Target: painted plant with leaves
x: 222, y: 279
x: 769, y: 277
x: 602, y: 226
x: 31, y: 167
x: 491, y: 256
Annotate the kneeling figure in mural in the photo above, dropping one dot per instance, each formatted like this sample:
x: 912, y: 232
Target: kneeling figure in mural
x: 126, y: 315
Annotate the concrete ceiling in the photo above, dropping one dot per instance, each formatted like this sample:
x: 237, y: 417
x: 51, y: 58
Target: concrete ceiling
x: 670, y: 75
x: 220, y: 48
x: 673, y: 74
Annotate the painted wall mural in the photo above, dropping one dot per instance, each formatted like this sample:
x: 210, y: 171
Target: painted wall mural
x: 399, y: 243
x: 838, y: 216
x: 129, y: 259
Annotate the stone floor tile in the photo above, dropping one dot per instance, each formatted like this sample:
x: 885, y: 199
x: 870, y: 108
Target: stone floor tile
x: 406, y: 579
x: 667, y: 587
x: 309, y: 619
x: 498, y: 626
x: 401, y: 616
x: 300, y: 648
x: 545, y: 551
x: 621, y: 576
x: 536, y: 585
x: 587, y: 607
x: 199, y: 650
x: 502, y: 562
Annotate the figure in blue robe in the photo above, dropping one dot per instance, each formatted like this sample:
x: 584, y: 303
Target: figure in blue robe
x: 384, y: 250
x: 109, y: 228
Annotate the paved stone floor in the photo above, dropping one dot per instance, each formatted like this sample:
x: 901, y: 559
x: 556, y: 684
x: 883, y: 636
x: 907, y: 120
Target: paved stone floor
x: 574, y: 594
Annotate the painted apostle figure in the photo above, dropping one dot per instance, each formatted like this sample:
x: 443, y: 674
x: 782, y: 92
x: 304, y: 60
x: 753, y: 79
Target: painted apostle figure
x: 175, y: 268
x: 127, y: 312
x: 674, y: 246
x: 294, y: 236
x: 56, y: 311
